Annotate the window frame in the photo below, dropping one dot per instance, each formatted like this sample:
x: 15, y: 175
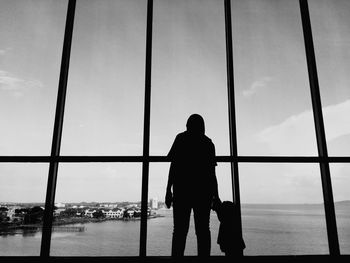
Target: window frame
x: 55, y: 158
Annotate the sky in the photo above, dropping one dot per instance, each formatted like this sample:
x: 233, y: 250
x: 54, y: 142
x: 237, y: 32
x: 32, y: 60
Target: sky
x: 105, y: 94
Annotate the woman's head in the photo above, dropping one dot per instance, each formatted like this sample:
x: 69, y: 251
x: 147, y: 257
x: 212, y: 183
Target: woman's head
x: 195, y: 124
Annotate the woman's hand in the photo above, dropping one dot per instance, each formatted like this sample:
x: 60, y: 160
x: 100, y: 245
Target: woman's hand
x: 168, y: 199
x: 215, y: 203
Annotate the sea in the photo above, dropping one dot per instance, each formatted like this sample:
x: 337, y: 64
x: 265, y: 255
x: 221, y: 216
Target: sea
x: 267, y: 230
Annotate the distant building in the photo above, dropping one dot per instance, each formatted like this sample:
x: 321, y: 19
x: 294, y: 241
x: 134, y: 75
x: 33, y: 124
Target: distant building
x: 11, y: 213
x: 89, y: 213
x: 60, y: 205
x: 113, y: 213
x: 58, y: 211
x: 154, y: 203
x: 3, y: 215
x: 130, y: 213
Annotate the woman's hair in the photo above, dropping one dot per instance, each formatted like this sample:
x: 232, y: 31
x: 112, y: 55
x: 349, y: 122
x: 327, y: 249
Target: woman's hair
x: 195, y: 124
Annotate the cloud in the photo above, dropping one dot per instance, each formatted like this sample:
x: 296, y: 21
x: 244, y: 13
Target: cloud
x: 296, y: 134
x: 16, y: 86
x: 300, y: 183
x: 4, y: 51
x: 257, y: 85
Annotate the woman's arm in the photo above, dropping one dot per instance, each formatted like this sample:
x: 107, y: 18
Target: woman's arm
x: 171, y: 155
x: 169, y: 195
x: 170, y: 178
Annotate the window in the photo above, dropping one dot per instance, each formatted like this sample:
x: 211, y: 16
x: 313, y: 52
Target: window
x: 130, y: 74
x: 106, y: 79
x: 286, y: 217
x: 273, y: 102
x: 90, y: 187
x: 30, y: 52
x: 188, y: 72
x: 22, y: 194
x: 340, y: 181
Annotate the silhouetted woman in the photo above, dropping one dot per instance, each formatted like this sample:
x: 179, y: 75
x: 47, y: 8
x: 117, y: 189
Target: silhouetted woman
x: 193, y: 181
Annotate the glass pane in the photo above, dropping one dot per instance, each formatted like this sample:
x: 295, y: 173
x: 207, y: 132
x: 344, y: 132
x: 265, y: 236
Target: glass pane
x: 331, y: 31
x: 341, y: 184
x: 282, y: 209
x: 98, y: 210
x: 160, y: 228
x: 274, y: 113
x: 105, y: 93
x: 22, y: 202
x: 188, y: 71
x: 30, y: 54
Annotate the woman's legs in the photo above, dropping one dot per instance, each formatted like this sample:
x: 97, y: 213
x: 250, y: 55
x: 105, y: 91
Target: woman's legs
x: 181, y: 214
x: 202, y: 220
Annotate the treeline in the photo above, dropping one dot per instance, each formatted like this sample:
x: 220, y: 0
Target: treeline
x: 25, y: 215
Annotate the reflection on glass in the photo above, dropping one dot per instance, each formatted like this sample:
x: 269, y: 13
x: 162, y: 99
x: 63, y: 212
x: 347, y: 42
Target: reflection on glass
x: 188, y: 71
x: 22, y: 202
x: 98, y: 210
x: 30, y: 53
x: 330, y: 22
x: 104, y: 109
x: 341, y: 183
x: 282, y: 209
x: 274, y: 114
x: 160, y: 228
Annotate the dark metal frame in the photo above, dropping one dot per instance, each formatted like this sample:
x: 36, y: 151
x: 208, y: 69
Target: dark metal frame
x: 55, y: 158
x: 333, y: 242
x: 57, y: 133
x: 146, y: 130
x: 158, y: 159
x: 232, y: 111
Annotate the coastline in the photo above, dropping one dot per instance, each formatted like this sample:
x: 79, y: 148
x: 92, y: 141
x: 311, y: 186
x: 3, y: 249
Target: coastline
x: 84, y: 220
x: 64, y: 222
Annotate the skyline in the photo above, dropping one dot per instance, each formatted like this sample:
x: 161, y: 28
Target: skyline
x: 104, y: 107
x: 162, y: 202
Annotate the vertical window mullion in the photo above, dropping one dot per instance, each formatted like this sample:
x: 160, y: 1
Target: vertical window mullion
x: 57, y: 133
x: 231, y: 109
x: 146, y: 130
x: 333, y: 241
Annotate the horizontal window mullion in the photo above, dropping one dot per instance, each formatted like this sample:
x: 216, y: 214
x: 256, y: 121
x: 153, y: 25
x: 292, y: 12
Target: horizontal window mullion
x: 25, y: 159
x: 239, y: 159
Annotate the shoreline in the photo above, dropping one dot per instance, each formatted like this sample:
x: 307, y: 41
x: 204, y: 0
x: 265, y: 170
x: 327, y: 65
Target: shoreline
x: 13, y: 228
x: 79, y: 220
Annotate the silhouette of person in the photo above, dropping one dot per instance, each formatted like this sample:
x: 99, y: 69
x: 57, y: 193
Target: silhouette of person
x: 229, y: 238
x: 193, y: 181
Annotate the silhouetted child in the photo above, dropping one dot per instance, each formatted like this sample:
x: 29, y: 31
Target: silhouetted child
x: 230, y: 239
